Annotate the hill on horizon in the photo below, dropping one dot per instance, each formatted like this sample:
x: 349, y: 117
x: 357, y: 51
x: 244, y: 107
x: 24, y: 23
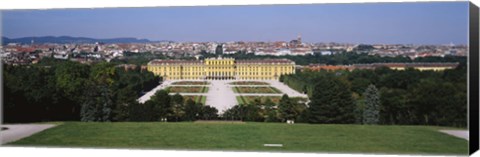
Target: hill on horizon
x: 69, y: 39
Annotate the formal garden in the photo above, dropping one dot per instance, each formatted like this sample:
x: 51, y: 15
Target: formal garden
x: 249, y: 83
x: 176, y: 89
x: 190, y: 83
x: 271, y: 90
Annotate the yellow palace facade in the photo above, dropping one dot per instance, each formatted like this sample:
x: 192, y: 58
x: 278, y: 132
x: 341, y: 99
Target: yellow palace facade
x: 222, y: 69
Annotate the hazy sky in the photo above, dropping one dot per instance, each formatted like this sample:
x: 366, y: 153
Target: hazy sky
x: 403, y: 23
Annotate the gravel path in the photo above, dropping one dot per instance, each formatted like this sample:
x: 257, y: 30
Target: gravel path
x: 190, y: 94
x: 259, y: 94
x: 457, y: 133
x: 250, y: 85
x: 187, y: 85
x: 285, y: 89
x: 18, y: 131
x: 221, y: 96
x: 149, y: 94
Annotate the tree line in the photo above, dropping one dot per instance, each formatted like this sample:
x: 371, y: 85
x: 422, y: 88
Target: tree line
x: 384, y: 96
x: 55, y: 90
x: 268, y: 111
x: 164, y: 107
x: 344, y: 58
x: 339, y: 58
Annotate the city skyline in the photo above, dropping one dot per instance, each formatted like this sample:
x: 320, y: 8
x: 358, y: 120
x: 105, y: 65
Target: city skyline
x: 374, y: 23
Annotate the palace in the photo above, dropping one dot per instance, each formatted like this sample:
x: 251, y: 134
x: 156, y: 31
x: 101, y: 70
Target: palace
x: 221, y: 69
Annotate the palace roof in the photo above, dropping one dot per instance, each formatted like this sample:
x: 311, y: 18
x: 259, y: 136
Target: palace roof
x: 265, y: 61
x: 248, y: 61
x: 173, y: 61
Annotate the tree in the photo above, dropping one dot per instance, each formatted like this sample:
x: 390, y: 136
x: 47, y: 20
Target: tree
x: 271, y: 114
x: 372, y: 105
x: 331, y: 102
x: 394, y: 108
x: 359, y: 109
x: 141, y: 112
x: 219, y: 50
x: 437, y: 102
x: 125, y: 98
x: 192, y: 110
x: 209, y: 112
x: 234, y: 113
x: 54, y: 90
x: 253, y: 112
x: 161, y: 104
x: 71, y: 77
x: 286, y: 109
x: 103, y: 73
x: 97, y: 105
x: 178, y: 109
x: 400, y: 79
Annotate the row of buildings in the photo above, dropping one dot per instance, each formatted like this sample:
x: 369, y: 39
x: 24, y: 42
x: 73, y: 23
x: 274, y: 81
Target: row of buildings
x: 18, y: 53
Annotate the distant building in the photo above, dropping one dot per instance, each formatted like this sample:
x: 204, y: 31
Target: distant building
x: 222, y: 69
x: 418, y: 66
x: 60, y: 56
x: 323, y: 53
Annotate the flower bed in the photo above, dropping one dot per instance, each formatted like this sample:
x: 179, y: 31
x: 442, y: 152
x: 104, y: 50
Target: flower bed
x: 187, y: 89
x: 256, y: 90
x: 249, y: 83
x: 190, y: 83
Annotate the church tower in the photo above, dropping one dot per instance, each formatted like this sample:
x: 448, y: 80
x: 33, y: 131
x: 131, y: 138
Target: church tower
x: 299, y: 39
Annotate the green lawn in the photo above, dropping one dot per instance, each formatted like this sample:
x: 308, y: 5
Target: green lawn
x: 203, y: 100
x: 240, y: 100
x: 204, y: 89
x: 251, y: 137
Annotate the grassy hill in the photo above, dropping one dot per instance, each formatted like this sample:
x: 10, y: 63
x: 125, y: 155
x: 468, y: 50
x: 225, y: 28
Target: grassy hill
x: 251, y: 137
